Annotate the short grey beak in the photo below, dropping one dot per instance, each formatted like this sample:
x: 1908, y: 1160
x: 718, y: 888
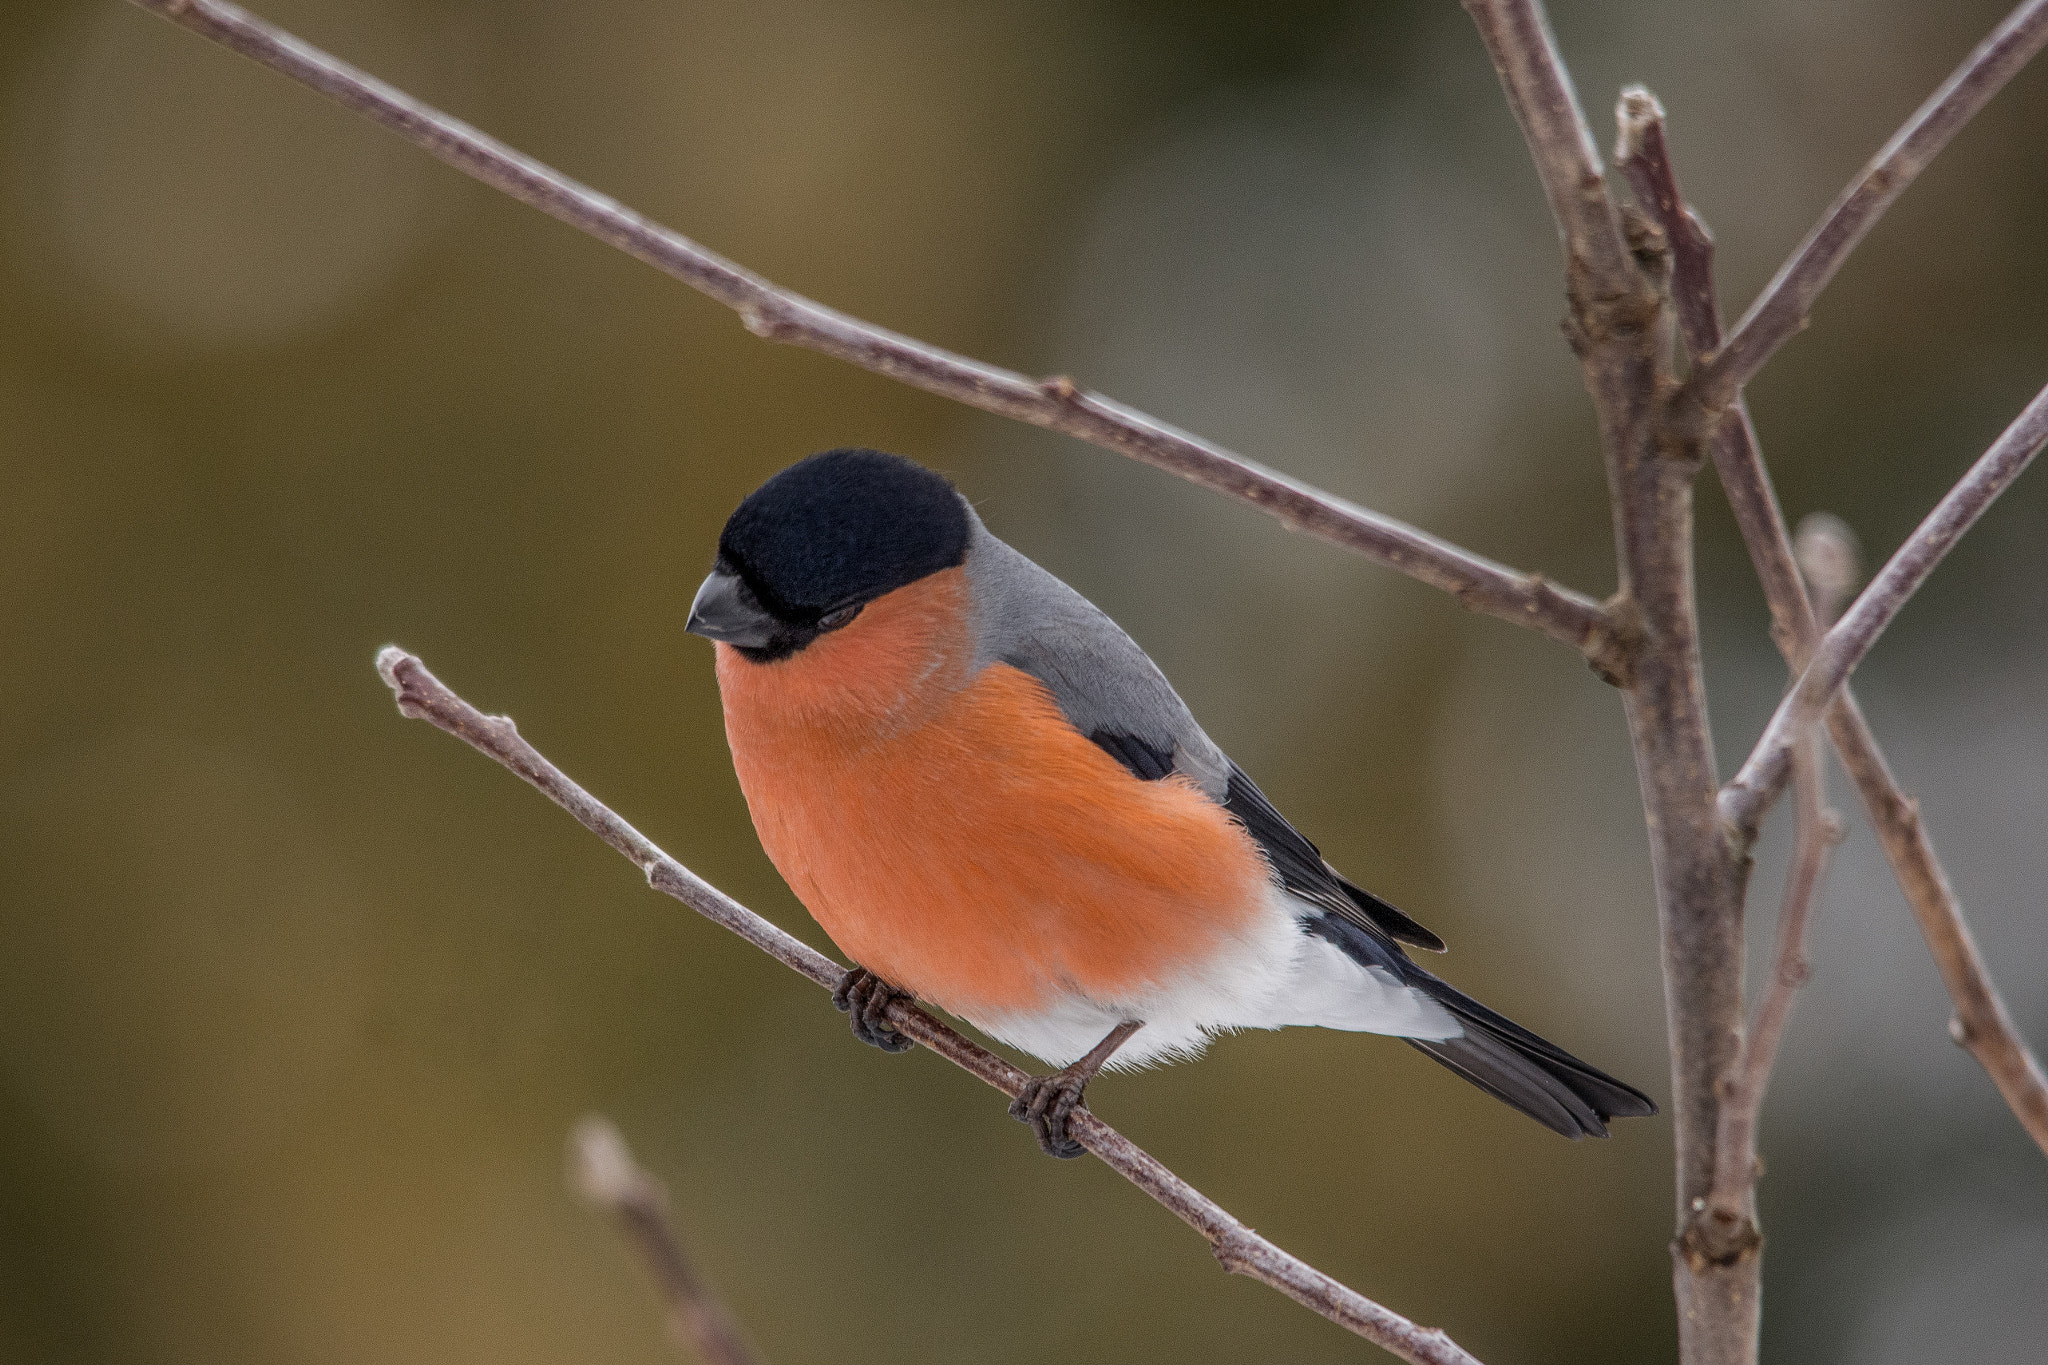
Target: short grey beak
x: 725, y: 609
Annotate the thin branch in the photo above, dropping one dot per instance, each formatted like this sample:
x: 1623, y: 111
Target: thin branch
x: 1981, y: 1022
x: 1780, y: 312
x: 602, y: 1170
x: 1057, y: 404
x: 1762, y: 775
x: 1539, y: 90
x: 1827, y: 554
x: 422, y: 696
x: 1735, y: 1150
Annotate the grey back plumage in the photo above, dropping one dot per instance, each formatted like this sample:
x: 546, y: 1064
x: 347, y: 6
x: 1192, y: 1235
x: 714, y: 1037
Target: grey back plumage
x: 1107, y: 686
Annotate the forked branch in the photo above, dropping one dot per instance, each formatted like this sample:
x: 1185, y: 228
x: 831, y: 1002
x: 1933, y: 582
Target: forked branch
x: 1981, y: 1022
x: 1616, y: 313
x: 1762, y: 775
x: 422, y: 696
x: 1057, y: 404
x: 1827, y: 555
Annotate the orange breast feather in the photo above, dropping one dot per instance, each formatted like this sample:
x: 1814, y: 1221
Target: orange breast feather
x: 956, y: 835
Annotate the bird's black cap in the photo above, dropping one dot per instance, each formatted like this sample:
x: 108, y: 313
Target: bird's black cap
x: 842, y: 528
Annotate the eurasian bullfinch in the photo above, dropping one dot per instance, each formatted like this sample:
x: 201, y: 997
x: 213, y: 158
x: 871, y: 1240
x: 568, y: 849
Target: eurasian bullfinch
x: 993, y: 801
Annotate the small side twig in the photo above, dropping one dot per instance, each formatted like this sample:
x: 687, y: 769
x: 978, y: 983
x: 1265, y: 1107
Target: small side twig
x: 1762, y: 774
x: 603, y: 1171
x: 1645, y: 161
x: 1827, y: 554
x: 422, y: 696
x: 1057, y: 404
x: 1735, y: 1141
x: 1780, y: 312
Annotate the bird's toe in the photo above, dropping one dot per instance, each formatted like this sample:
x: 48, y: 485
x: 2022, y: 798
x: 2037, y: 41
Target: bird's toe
x: 864, y: 999
x: 1045, y: 1103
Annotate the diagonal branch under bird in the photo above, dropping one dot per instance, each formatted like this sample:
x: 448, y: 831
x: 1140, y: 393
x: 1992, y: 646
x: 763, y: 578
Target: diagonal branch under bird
x: 1240, y: 1250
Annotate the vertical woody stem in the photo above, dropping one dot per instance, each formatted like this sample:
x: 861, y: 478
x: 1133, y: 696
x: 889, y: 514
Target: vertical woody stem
x: 1700, y: 881
x: 1619, y: 323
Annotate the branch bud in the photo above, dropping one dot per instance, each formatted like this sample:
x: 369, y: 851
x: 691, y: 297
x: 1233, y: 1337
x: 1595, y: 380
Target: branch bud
x: 601, y: 1166
x: 1831, y: 561
x: 1634, y: 116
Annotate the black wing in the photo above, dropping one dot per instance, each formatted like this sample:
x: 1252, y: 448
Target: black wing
x: 1298, y: 863
x: 1146, y: 761
x: 1303, y: 871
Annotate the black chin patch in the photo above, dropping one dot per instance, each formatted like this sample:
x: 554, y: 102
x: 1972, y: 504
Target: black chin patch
x: 843, y: 528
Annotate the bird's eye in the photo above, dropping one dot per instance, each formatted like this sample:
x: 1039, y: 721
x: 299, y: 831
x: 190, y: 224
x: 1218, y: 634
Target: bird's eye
x: 833, y: 620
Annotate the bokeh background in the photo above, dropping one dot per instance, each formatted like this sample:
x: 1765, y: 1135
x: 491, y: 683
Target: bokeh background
x: 297, y: 1000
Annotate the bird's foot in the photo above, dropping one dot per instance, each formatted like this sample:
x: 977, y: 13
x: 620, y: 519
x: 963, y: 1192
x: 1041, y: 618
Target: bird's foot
x: 1045, y: 1102
x: 864, y: 999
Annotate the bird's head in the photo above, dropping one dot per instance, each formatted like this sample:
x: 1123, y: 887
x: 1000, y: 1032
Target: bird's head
x: 816, y: 543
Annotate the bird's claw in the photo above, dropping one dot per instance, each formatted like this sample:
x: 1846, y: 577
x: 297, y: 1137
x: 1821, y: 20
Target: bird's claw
x: 1044, y: 1103
x: 864, y: 999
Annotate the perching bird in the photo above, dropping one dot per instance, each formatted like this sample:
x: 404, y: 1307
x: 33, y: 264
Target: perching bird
x: 993, y: 801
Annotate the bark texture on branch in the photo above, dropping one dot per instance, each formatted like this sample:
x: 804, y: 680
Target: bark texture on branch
x: 1539, y: 91
x: 422, y: 696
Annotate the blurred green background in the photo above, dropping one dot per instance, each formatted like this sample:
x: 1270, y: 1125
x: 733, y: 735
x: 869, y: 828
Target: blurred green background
x: 297, y: 1000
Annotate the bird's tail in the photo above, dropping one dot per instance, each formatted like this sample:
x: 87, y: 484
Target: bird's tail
x: 1513, y: 1065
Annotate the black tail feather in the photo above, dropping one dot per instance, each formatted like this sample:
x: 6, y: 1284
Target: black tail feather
x: 1494, y: 1052
x: 1537, y: 1077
